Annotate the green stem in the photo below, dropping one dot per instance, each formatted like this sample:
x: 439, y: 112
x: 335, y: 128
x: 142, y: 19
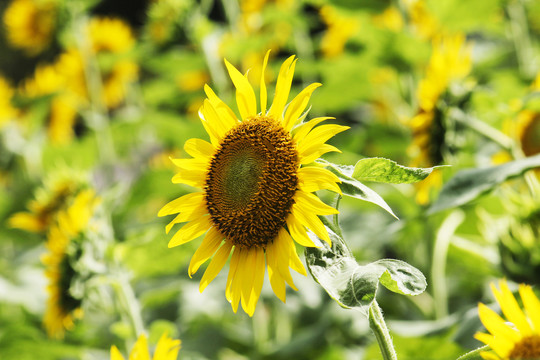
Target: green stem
x: 129, y: 303
x: 474, y: 355
x: 520, y: 36
x: 438, y: 266
x: 482, y: 128
x: 379, y: 328
x: 336, y: 217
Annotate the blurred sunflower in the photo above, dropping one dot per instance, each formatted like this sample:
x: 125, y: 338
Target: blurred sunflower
x: 339, y: 29
x: 62, y: 307
x: 450, y: 61
x: 111, y: 35
x: 7, y: 111
x: 255, y: 186
x: 49, y: 201
x: 422, y: 22
x: 30, y: 24
x: 166, y: 349
x: 518, y: 340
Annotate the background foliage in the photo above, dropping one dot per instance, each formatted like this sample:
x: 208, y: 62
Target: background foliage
x: 103, y: 105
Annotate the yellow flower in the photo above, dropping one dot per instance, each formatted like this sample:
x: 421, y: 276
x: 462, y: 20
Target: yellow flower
x: 256, y: 187
x: 421, y: 20
x: 450, y: 61
x: 62, y: 308
x: 48, y: 203
x: 7, y: 111
x: 166, y: 349
x: 519, y: 340
x: 339, y: 30
x: 110, y: 35
x: 192, y: 80
x: 390, y: 19
x: 117, y: 81
x: 30, y: 23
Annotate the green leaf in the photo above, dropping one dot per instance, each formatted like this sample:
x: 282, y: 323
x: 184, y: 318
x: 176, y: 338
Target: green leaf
x: 469, y: 184
x: 388, y: 171
x: 354, y: 188
x: 354, y: 286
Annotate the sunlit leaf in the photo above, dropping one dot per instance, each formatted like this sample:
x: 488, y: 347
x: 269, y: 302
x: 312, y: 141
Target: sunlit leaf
x: 388, y: 171
x: 354, y: 286
x: 354, y: 188
x: 469, y: 184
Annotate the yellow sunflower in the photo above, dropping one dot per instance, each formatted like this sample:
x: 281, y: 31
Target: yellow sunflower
x: 30, y: 23
x: 49, y: 201
x: 62, y: 308
x: 255, y: 187
x: 518, y: 340
x: 450, y: 61
x: 340, y: 29
x: 166, y: 349
x: 110, y: 35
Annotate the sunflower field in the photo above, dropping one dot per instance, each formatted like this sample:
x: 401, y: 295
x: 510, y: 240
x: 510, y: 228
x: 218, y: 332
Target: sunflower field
x: 269, y: 179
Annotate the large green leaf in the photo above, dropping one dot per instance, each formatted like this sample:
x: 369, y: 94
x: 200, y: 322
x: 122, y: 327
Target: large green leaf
x: 354, y: 286
x: 469, y: 184
x: 388, y: 171
x: 354, y: 188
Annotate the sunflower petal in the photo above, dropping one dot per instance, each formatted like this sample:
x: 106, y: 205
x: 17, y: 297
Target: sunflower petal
x: 227, y: 115
x: 302, y: 130
x: 190, y: 231
x: 298, y: 232
x: 510, y: 308
x: 283, y: 87
x: 311, y: 221
x: 208, y: 247
x: 496, y: 325
x: 314, y: 152
x: 191, y: 164
x: 500, y: 345
x: 263, y: 94
x: 312, y: 178
x: 188, y: 215
x: 199, y: 148
x: 183, y: 203
x: 297, y: 106
x: 276, y: 281
x: 245, y: 96
x: 312, y: 203
x: 531, y: 305
x: 216, y: 264
x: 214, y: 120
x: 232, y: 272
x: 247, y: 276
x: 193, y: 178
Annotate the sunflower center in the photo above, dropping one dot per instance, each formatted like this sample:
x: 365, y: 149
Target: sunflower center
x: 526, y: 348
x: 251, y: 182
x: 530, y: 140
x: 66, y: 301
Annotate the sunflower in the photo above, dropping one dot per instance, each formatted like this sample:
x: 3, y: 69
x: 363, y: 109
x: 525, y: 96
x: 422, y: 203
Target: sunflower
x: 519, y: 340
x: 255, y: 187
x: 166, y: 349
x: 50, y: 200
x: 450, y: 61
x: 339, y: 29
x: 110, y: 35
x: 62, y: 307
x: 30, y: 23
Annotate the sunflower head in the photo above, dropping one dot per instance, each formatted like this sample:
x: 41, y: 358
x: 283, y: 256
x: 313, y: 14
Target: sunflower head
x: 255, y: 181
x: 49, y: 200
x: 166, y: 349
x: 63, y: 307
x: 520, y: 338
x: 30, y: 24
x: 110, y: 35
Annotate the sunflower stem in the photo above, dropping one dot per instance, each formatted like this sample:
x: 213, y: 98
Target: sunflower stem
x: 129, y: 303
x: 336, y: 217
x: 379, y: 328
x: 475, y: 354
